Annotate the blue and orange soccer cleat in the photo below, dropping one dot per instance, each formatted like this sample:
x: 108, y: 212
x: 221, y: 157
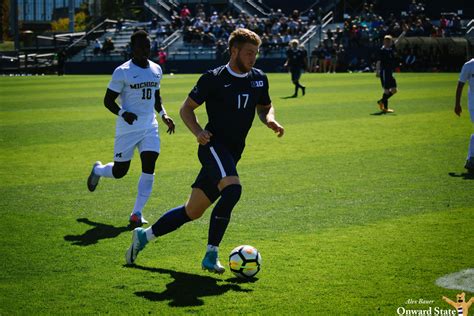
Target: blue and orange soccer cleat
x: 211, y: 263
x: 139, y: 242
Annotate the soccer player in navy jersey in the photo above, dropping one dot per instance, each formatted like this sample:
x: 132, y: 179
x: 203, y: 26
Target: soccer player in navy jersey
x: 232, y: 93
x: 296, y: 62
x: 386, y: 63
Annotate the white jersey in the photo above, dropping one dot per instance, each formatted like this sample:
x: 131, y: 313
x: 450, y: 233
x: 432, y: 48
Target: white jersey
x: 137, y: 88
x: 467, y: 75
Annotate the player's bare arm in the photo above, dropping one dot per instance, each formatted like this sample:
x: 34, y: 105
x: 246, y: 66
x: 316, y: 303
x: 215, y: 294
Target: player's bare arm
x: 266, y: 113
x: 190, y: 120
x: 457, y: 105
x: 160, y: 108
x: 109, y: 102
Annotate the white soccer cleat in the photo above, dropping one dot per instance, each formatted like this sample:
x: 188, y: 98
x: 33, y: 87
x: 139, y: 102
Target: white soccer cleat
x: 93, y: 179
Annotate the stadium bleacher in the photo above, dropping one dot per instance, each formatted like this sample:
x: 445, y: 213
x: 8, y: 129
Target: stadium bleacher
x: 341, y: 30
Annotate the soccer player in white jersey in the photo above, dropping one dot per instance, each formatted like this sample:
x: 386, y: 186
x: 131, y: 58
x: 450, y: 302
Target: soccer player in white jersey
x: 467, y: 75
x: 137, y: 81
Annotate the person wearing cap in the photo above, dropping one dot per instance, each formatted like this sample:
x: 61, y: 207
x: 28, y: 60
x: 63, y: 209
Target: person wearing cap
x: 386, y: 63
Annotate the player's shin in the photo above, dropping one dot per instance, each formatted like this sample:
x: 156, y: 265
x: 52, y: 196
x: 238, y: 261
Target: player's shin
x: 170, y: 221
x: 145, y: 186
x: 221, y: 213
x: 104, y: 170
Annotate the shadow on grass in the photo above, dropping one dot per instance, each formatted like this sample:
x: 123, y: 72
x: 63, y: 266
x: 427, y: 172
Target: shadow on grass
x: 187, y: 289
x: 465, y: 176
x: 383, y: 113
x: 98, y: 232
x: 289, y: 97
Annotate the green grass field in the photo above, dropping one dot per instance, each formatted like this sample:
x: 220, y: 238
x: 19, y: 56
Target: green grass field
x: 353, y: 213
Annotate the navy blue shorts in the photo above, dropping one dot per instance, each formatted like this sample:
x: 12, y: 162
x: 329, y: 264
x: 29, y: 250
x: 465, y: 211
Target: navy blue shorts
x: 217, y: 162
x: 387, y: 79
x: 295, y: 73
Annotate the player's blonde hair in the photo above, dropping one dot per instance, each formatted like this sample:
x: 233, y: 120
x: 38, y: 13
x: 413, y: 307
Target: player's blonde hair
x: 241, y: 36
x: 294, y: 43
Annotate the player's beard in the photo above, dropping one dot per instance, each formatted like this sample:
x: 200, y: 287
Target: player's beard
x: 241, y: 65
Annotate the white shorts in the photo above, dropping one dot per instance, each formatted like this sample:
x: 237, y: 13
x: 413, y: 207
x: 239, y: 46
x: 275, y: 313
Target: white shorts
x: 144, y: 140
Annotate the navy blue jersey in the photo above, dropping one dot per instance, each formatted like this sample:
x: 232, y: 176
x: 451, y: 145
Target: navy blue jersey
x: 388, y: 59
x: 231, y: 102
x: 296, y: 57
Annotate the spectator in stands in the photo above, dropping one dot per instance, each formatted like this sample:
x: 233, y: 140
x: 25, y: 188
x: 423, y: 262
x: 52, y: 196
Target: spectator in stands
x: 62, y: 55
x: 108, y: 46
x: 154, y: 23
x: 154, y: 47
x: 311, y: 16
x: 119, y: 25
x: 97, y: 47
x: 221, y: 48
x: 184, y: 13
x: 162, y: 58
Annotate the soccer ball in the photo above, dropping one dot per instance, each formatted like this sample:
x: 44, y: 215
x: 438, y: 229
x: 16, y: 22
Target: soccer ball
x: 245, y: 261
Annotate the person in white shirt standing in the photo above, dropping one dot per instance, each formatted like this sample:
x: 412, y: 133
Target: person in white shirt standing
x: 137, y: 81
x: 467, y: 75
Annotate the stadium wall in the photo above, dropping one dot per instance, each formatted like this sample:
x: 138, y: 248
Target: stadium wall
x: 179, y: 66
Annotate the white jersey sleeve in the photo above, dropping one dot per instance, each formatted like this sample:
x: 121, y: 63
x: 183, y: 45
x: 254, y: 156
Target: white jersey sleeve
x: 118, y: 81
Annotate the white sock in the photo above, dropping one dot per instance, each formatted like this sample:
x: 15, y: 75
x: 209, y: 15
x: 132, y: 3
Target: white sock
x: 212, y: 248
x: 145, y: 185
x: 149, y: 234
x: 470, y: 153
x: 104, y: 170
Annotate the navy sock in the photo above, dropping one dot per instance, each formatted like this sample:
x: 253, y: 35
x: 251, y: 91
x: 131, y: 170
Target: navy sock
x: 170, y: 221
x: 220, y: 216
x: 385, y: 98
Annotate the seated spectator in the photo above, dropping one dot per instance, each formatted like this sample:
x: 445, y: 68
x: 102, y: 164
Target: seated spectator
x: 108, y: 46
x: 97, y: 47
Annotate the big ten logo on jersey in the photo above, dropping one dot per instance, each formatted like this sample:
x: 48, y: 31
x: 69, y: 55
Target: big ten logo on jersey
x: 256, y: 84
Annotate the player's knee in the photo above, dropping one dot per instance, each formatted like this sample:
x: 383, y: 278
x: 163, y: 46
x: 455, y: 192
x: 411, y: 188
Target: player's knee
x: 393, y: 90
x: 148, y: 161
x: 194, y: 212
x: 119, y: 170
x: 232, y: 193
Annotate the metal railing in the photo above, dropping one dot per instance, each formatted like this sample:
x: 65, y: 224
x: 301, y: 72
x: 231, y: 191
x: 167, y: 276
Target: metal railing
x: 156, y: 12
x: 317, y: 29
x: 83, y: 39
x: 470, y: 29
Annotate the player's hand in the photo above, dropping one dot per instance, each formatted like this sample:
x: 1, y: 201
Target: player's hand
x: 169, y: 122
x: 129, y: 117
x: 276, y: 127
x: 204, y: 137
x: 458, y: 109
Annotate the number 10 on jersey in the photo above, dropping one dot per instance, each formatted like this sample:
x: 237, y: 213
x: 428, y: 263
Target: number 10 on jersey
x: 245, y: 98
